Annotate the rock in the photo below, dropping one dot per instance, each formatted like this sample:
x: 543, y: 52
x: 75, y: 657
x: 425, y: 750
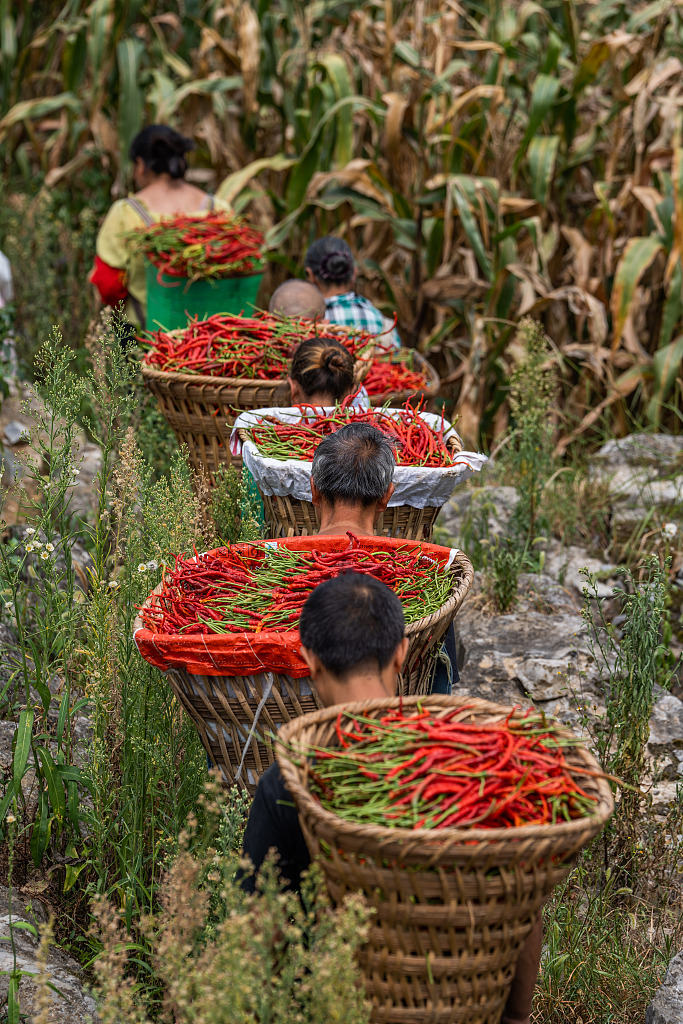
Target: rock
x: 15, y: 432
x: 564, y: 565
x: 479, y: 511
x: 667, y: 1005
x: 72, y: 1005
x: 665, y: 744
x: 656, y: 450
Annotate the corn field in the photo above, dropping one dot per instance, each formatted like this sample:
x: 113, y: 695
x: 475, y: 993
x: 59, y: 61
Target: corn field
x: 485, y: 159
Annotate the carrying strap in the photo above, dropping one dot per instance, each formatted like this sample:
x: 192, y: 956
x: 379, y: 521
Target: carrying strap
x: 270, y: 679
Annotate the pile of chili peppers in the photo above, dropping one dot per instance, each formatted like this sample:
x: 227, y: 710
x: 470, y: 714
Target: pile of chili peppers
x: 415, y: 442
x: 422, y: 770
x: 233, y: 591
x: 258, y: 347
x: 217, y: 245
x: 393, y: 374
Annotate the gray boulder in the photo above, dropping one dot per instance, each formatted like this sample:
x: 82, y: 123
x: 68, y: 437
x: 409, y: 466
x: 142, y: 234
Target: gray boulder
x: 72, y: 1005
x: 667, y: 1005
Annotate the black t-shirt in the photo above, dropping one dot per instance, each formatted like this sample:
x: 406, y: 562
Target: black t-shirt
x: 274, y: 822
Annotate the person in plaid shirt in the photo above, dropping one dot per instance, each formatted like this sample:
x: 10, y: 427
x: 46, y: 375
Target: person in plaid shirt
x: 331, y: 267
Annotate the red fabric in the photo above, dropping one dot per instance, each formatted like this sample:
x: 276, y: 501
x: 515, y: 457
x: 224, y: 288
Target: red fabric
x: 109, y: 282
x: 243, y: 654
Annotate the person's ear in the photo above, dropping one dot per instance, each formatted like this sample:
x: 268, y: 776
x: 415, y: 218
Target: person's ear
x: 312, y: 660
x: 316, y: 496
x: 310, y: 276
x: 400, y: 655
x: 296, y: 392
x: 384, y: 500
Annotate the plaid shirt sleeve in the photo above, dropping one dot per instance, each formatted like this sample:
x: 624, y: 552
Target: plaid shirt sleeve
x: 353, y: 310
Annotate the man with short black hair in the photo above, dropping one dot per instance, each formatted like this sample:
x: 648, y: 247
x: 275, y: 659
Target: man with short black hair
x: 351, y: 479
x: 352, y: 639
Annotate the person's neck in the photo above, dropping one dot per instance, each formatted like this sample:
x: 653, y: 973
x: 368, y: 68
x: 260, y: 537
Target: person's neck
x: 361, y: 687
x: 340, y: 519
x: 330, y: 290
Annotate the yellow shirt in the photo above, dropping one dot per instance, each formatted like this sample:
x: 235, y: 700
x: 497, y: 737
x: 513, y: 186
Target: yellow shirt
x: 113, y: 247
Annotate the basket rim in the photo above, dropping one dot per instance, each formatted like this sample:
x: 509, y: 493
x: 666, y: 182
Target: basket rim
x: 233, y: 277
x: 459, y: 560
x: 439, y: 840
x: 169, y: 376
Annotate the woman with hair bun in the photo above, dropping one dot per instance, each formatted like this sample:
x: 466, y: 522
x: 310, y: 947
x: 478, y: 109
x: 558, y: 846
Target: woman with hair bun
x: 159, y: 158
x: 331, y: 267
x: 322, y: 374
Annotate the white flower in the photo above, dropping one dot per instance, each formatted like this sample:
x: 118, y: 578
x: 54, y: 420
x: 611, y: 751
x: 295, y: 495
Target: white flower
x: 152, y: 565
x: 113, y: 584
x: 44, y: 555
x: 29, y: 531
x: 37, y: 544
x: 30, y: 547
x: 669, y: 529
x: 49, y: 547
x: 10, y: 819
x: 142, y: 567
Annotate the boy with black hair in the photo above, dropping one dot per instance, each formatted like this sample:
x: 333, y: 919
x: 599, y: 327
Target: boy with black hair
x: 353, y: 640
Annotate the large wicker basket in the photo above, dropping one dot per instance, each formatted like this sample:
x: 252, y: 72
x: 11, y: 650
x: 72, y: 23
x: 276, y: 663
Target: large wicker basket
x: 233, y: 714
x: 287, y: 516
x: 428, y: 392
x: 201, y: 410
x: 453, y: 906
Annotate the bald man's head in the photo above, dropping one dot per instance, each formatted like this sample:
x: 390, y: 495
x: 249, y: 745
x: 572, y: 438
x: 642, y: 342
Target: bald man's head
x: 298, y: 298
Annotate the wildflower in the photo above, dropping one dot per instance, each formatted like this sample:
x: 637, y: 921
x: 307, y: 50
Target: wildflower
x: 49, y: 547
x: 10, y: 819
x: 152, y: 565
x: 142, y: 567
x: 44, y: 555
x: 30, y: 548
x: 29, y: 531
x: 113, y: 584
x: 669, y: 529
x: 37, y: 544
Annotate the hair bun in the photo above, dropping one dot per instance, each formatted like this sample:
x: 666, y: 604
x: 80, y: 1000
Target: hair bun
x: 336, y: 266
x: 333, y: 359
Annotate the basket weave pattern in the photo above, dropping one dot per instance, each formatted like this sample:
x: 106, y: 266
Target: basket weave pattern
x: 224, y: 709
x: 287, y: 516
x: 201, y: 410
x: 453, y: 906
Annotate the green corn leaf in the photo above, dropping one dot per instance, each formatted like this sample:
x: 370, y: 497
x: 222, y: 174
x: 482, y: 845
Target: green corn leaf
x: 334, y: 66
x: 99, y: 36
x: 29, y: 110
x: 22, y: 748
x: 638, y: 254
x: 672, y: 306
x: 541, y: 155
x: 131, y: 101
x: 543, y: 98
x: 471, y: 229
x: 665, y: 367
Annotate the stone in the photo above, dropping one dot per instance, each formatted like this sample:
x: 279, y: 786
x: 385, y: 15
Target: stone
x: 486, y: 511
x: 71, y: 1004
x: 667, y: 1005
x: 564, y: 564
x: 660, y: 451
x: 665, y: 744
x: 15, y: 432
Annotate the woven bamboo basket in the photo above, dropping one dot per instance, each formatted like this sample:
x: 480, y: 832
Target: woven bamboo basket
x: 287, y: 516
x: 231, y: 712
x: 201, y: 410
x: 453, y: 907
x: 429, y: 391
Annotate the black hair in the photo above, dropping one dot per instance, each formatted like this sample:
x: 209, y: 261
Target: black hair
x: 162, y: 150
x: 351, y: 622
x: 323, y: 366
x: 355, y: 464
x: 331, y: 260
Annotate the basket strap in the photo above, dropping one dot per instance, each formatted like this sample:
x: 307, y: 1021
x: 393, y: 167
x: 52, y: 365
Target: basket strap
x: 266, y: 694
x: 141, y: 210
